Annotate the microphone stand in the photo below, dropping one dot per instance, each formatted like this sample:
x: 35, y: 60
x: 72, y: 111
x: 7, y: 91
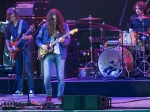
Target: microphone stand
x: 121, y: 35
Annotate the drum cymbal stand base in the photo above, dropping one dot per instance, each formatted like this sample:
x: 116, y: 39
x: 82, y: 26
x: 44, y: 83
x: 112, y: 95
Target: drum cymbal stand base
x: 92, y: 64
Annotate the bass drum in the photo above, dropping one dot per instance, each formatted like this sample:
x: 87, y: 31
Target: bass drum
x: 110, y: 62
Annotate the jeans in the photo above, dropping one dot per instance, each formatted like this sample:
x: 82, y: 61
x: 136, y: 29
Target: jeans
x: 48, y: 62
x: 23, y: 63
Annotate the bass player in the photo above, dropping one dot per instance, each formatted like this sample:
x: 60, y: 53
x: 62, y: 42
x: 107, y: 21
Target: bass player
x: 16, y: 38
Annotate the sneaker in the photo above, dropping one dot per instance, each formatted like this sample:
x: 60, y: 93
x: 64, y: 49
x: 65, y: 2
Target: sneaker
x: 48, y: 99
x: 31, y: 93
x: 18, y: 93
x: 60, y: 98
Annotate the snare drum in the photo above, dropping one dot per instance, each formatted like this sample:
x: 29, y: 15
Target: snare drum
x: 129, y: 39
x: 111, y: 43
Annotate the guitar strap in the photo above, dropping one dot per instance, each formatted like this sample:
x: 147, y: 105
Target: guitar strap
x: 20, y: 26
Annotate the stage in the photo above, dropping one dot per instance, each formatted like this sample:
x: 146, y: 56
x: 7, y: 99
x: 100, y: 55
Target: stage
x: 85, y: 86
x: 126, y: 95
x: 140, y: 104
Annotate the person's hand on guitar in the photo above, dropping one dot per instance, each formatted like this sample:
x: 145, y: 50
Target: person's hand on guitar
x: 61, y: 40
x: 27, y: 37
x: 44, y: 47
x: 10, y: 49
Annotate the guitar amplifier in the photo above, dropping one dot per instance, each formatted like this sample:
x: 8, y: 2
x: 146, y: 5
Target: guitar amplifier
x: 33, y: 20
x: 3, y: 26
x: 36, y: 8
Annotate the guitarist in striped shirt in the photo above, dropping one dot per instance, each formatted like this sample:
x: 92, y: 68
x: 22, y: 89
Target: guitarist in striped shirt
x: 53, y: 29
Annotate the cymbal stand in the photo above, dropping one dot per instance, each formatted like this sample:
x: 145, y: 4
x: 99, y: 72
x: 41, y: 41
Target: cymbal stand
x: 144, y: 58
x: 91, y: 63
x: 123, y: 63
x: 102, y: 37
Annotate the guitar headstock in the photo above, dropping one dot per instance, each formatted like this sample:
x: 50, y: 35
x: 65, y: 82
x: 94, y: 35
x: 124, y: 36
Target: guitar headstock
x: 73, y: 31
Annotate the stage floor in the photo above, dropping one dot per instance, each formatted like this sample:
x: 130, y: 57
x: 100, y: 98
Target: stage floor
x: 85, y: 86
x: 118, y: 103
x: 126, y: 94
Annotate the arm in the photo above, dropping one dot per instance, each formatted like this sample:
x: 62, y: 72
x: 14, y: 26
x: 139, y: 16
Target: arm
x: 66, y: 41
x: 131, y: 25
x: 27, y: 27
x: 7, y: 38
x: 39, y: 38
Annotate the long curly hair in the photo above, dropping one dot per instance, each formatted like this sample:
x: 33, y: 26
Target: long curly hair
x: 141, y: 5
x: 51, y: 24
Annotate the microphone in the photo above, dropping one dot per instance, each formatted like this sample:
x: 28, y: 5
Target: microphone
x: 147, y: 1
x: 42, y: 22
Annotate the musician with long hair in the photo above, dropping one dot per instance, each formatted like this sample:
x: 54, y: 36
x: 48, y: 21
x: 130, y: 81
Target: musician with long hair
x: 15, y: 33
x: 52, y: 30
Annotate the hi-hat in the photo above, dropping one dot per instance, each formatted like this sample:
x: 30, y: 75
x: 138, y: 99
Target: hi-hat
x: 90, y: 18
x: 145, y: 33
x: 142, y: 17
x: 104, y: 27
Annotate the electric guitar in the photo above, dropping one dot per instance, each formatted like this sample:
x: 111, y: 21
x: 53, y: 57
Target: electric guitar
x: 15, y: 43
x: 50, y: 46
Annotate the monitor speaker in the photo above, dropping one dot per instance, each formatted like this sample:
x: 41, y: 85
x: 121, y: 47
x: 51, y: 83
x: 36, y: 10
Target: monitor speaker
x: 71, y: 102
x: 85, y: 102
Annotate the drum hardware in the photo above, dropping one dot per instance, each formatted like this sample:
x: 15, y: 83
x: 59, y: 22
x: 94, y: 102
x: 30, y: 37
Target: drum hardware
x: 110, y: 62
x: 123, y: 61
x: 83, y: 55
x: 102, y: 36
x: 107, y: 70
x: 144, y: 62
x: 90, y: 18
x: 129, y: 39
x: 141, y: 18
x: 91, y: 63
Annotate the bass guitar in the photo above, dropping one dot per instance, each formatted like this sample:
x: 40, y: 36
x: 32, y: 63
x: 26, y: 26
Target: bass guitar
x: 15, y: 43
x: 50, y: 46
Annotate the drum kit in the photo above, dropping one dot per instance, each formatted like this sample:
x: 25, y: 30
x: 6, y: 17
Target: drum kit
x: 118, y: 60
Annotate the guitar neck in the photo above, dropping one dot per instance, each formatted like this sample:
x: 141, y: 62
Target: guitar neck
x: 18, y: 42
x: 53, y: 43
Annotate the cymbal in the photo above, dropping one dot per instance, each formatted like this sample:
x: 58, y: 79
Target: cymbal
x: 142, y: 17
x: 90, y: 18
x: 145, y: 33
x: 104, y: 27
x: 76, y: 22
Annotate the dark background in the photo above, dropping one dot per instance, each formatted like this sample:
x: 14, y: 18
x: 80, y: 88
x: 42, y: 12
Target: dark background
x: 110, y: 10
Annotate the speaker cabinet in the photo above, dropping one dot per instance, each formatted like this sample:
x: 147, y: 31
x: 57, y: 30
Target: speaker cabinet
x: 72, y: 60
x: 2, y: 41
x: 89, y: 102
x: 71, y: 102
x: 85, y: 102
